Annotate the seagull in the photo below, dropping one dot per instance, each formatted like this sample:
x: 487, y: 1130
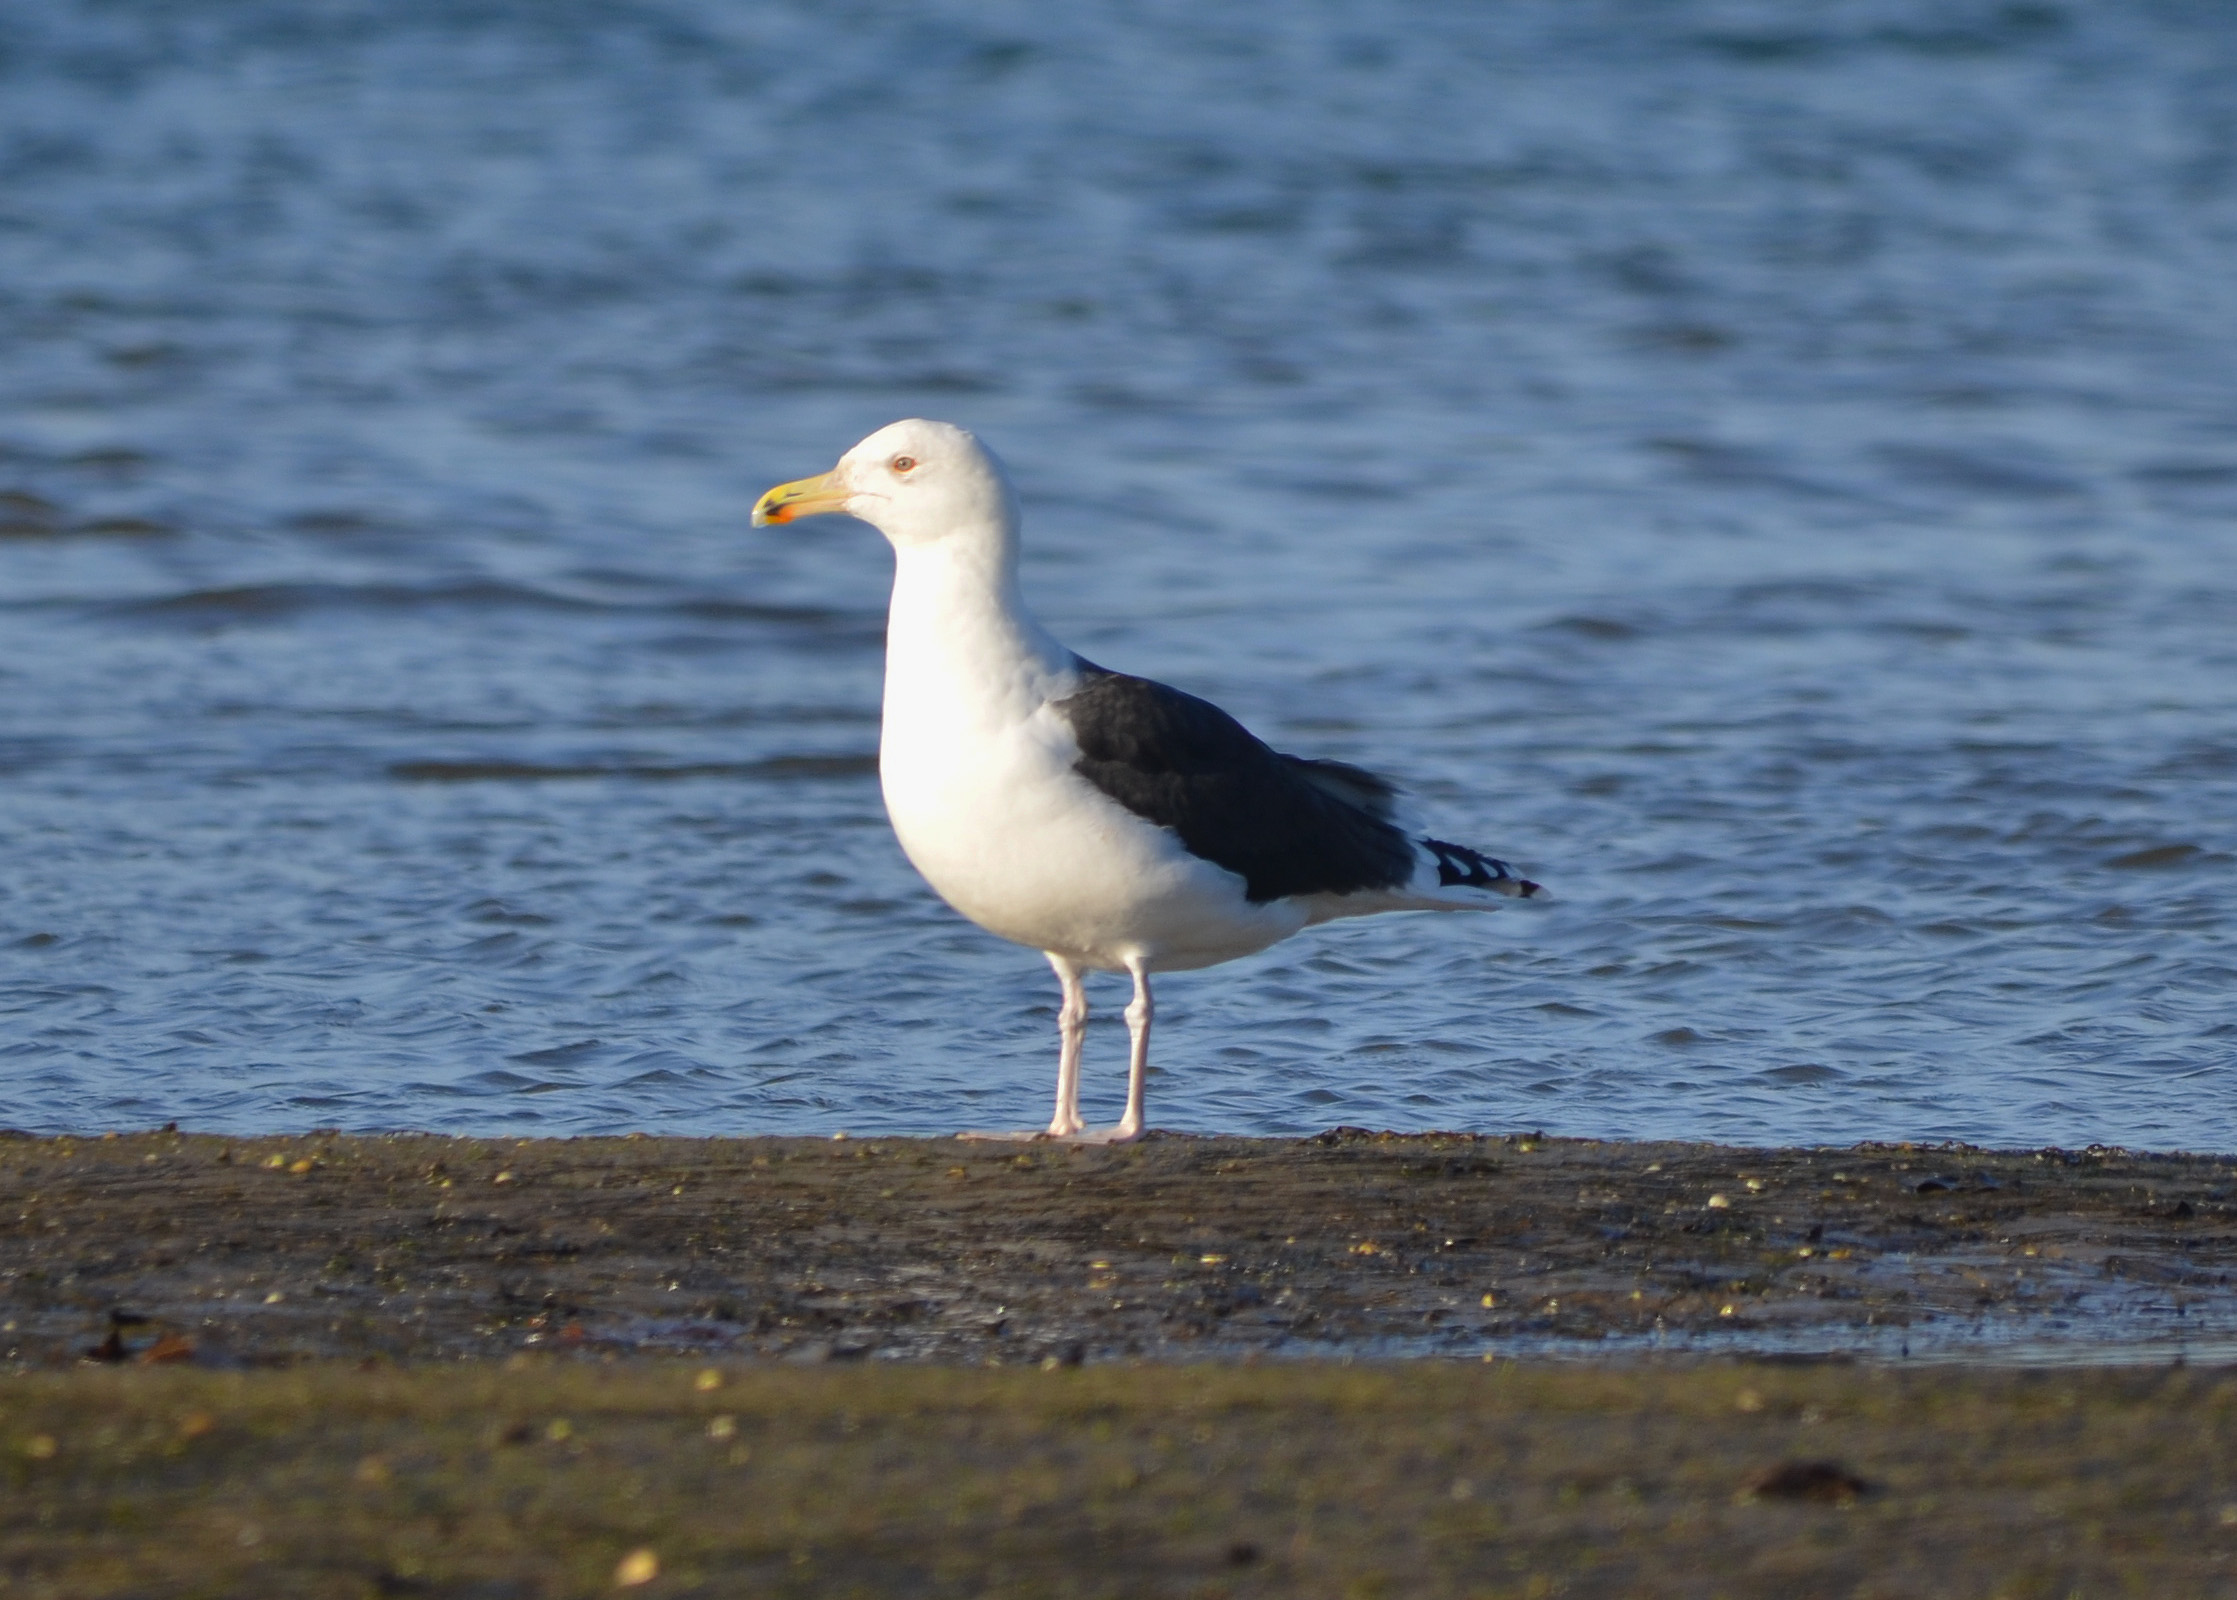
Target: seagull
x: 1112, y: 823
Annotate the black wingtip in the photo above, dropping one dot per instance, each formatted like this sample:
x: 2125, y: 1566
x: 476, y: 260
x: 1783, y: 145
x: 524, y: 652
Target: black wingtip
x: 1459, y: 867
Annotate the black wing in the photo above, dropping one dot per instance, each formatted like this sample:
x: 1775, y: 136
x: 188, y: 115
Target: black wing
x: 1355, y: 786
x: 1283, y: 824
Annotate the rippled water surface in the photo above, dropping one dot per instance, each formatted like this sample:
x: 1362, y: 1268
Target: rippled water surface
x: 1770, y: 470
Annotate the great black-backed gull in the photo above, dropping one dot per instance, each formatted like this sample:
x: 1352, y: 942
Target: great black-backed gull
x: 1107, y: 821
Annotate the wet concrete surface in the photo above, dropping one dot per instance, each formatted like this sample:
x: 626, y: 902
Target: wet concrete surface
x: 414, y: 1247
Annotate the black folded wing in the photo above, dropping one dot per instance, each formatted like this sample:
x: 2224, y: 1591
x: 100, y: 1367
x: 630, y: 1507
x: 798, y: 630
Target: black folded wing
x: 1285, y: 825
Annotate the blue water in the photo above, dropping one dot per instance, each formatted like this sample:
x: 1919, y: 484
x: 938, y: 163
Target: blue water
x: 1769, y: 470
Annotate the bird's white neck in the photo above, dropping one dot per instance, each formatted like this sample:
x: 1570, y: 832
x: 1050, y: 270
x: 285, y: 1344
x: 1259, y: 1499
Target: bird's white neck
x: 960, y: 644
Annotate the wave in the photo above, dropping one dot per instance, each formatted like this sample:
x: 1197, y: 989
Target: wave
x: 806, y: 766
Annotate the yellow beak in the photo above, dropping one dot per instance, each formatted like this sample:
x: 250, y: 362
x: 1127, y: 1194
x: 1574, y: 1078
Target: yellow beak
x: 808, y: 497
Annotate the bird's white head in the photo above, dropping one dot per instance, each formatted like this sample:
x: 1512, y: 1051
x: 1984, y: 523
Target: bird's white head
x: 916, y: 482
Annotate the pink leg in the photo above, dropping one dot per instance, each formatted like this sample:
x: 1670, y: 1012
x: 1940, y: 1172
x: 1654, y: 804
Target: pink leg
x: 1071, y: 1027
x: 1138, y: 1016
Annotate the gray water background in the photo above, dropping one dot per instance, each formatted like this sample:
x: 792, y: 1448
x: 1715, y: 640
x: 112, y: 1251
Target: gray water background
x: 1768, y: 469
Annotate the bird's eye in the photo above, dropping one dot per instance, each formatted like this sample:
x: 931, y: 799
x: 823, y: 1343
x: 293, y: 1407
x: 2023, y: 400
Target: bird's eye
x: 903, y: 463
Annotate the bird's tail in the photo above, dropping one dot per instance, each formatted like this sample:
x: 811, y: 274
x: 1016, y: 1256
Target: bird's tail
x: 1446, y: 877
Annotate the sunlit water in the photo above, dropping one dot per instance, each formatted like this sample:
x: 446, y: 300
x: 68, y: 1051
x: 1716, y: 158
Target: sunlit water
x: 1769, y: 470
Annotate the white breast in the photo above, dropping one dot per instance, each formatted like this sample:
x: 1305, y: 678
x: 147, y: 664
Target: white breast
x: 977, y: 769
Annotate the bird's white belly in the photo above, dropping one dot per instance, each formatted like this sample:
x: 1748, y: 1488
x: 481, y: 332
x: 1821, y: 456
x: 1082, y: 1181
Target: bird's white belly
x: 1010, y: 836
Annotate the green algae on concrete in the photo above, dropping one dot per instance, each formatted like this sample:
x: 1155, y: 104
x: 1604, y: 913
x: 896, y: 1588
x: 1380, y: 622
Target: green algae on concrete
x: 556, y: 1477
